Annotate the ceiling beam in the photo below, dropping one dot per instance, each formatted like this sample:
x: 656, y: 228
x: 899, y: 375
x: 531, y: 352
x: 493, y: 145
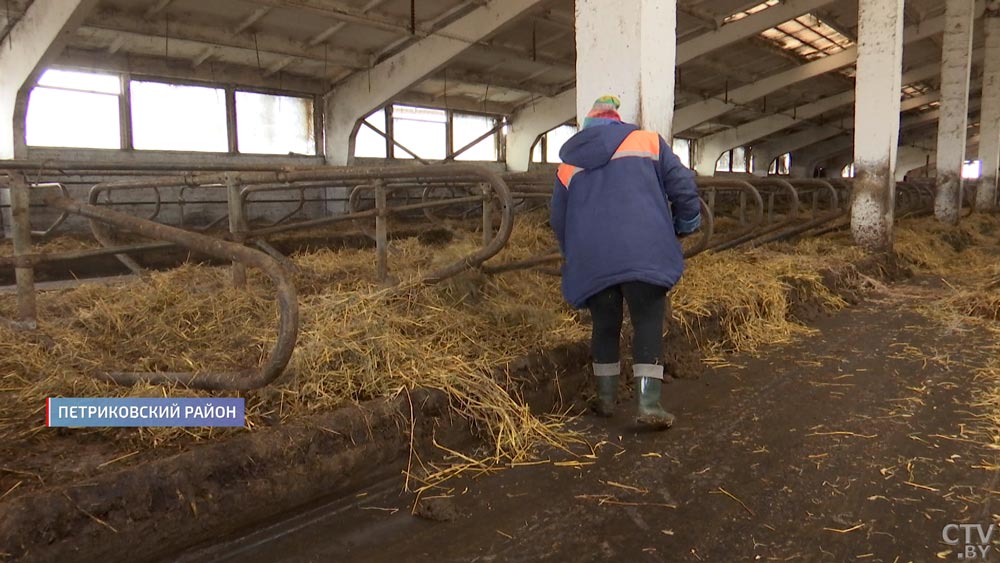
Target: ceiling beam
x: 218, y: 72
x: 251, y: 19
x: 362, y: 92
x: 192, y: 31
x: 156, y: 8
x: 460, y: 103
x: 518, y: 84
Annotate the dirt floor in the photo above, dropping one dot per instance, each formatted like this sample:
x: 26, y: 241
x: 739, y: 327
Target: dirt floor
x: 852, y: 444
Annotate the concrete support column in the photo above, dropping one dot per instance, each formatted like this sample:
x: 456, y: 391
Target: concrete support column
x: 876, y: 134
x: 36, y: 38
x: 762, y: 162
x: 530, y: 122
x: 628, y: 49
x: 989, y: 123
x: 955, y: 62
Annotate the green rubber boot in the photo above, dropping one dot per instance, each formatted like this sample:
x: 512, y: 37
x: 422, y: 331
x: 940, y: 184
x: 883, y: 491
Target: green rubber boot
x: 607, y: 388
x: 607, y: 395
x: 649, y: 412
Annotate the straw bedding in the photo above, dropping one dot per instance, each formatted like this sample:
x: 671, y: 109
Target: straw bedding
x: 359, y: 340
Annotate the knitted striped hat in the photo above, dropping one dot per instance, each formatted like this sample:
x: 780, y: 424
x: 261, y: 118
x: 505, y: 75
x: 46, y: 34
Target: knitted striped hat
x: 606, y: 107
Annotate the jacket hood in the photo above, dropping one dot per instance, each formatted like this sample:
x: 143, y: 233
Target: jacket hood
x: 594, y: 146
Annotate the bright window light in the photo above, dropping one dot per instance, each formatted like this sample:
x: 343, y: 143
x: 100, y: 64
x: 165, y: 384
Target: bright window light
x: 915, y: 90
x: 83, y: 81
x: 267, y: 124
x: 368, y: 143
x: 740, y: 159
x: 536, y: 152
x: 972, y: 169
x: 468, y: 128
x: 177, y: 117
x: 422, y: 130
x: 556, y: 138
x: 847, y: 171
x: 724, y: 162
x: 808, y: 37
x: 74, y: 109
x: 750, y: 11
x: 781, y: 165
x: 682, y: 148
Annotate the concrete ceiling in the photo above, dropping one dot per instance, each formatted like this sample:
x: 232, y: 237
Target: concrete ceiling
x: 312, y: 45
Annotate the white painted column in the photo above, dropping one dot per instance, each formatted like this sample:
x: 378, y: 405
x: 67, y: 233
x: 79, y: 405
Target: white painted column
x: 955, y: 62
x: 628, y: 49
x: 952, y: 127
x: 38, y: 36
x: 876, y: 134
x: 989, y: 123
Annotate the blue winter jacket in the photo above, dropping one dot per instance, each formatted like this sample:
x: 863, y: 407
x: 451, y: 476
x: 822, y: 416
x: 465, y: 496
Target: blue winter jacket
x: 610, y: 210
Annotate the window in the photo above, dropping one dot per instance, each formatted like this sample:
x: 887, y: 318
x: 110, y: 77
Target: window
x: 725, y: 162
x: 848, y: 171
x: 268, y: 124
x: 177, y: 117
x: 682, y: 148
x: 547, y: 146
x: 556, y: 138
x: 750, y: 11
x: 75, y: 109
x: 422, y: 131
x: 781, y: 165
x: 467, y: 128
x: 808, y: 37
x: 972, y: 169
x: 915, y: 90
x: 734, y: 160
x: 739, y: 159
x: 368, y: 143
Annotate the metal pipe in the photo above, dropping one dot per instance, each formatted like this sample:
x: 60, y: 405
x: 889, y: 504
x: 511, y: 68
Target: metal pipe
x: 35, y: 259
x: 381, y: 234
x: 288, y: 323
x: 237, y: 226
x: 21, y: 233
x: 712, y: 185
x: 487, y: 213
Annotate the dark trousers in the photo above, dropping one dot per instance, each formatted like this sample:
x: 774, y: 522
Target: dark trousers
x: 646, y: 308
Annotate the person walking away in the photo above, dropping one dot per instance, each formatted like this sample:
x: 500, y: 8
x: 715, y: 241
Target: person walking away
x: 621, y: 201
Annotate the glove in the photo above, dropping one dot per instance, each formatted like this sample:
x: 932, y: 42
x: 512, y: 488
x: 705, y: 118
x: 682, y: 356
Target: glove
x: 684, y: 227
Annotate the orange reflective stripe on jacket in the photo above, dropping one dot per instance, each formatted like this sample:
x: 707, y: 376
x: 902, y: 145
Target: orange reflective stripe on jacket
x: 643, y: 144
x: 640, y: 144
x: 566, y: 173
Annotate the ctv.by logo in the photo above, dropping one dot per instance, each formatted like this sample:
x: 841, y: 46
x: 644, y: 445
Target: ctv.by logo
x: 976, y: 540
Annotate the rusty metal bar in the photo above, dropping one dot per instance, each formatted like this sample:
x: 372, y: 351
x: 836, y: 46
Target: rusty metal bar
x: 20, y: 200
x: 274, y: 253
x: 381, y: 234
x: 62, y: 216
x: 288, y: 323
x: 487, y: 213
x: 35, y: 259
x: 710, y: 186
x: 237, y: 226
x: 790, y: 215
